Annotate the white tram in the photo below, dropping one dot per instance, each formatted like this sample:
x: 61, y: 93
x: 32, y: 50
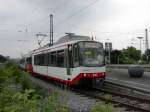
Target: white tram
x: 73, y: 59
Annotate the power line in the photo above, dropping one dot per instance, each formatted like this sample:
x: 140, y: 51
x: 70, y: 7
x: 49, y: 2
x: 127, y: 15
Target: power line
x: 103, y: 32
x: 20, y: 25
x: 78, y: 11
x: 58, y: 7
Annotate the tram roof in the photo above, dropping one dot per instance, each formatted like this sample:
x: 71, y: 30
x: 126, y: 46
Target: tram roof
x: 71, y: 37
x: 67, y: 39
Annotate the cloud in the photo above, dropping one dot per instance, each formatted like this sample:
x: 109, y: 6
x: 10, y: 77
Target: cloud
x: 119, y: 20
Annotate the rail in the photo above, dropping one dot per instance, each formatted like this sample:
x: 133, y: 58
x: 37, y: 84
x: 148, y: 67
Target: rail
x: 117, y: 99
x: 132, y: 88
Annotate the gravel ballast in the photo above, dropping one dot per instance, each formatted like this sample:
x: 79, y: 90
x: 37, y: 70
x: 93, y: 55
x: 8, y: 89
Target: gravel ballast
x: 75, y: 102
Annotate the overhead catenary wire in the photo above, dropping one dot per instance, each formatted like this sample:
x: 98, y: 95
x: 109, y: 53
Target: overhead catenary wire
x: 77, y: 12
x: 54, y: 10
x: 58, y: 7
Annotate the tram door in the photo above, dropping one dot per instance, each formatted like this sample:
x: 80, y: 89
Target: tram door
x: 69, y: 59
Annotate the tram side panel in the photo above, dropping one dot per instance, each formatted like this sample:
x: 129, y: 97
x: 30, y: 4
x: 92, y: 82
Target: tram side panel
x: 57, y: 73
x: 39, y: 65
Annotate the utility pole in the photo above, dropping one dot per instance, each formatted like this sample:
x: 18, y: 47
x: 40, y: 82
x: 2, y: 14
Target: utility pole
x: 51, y: 30
x: 146, y: 45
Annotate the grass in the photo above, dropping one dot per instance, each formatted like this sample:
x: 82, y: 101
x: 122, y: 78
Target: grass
x: 108, y: 107
x: 103, y: 108
x: 108, y: 97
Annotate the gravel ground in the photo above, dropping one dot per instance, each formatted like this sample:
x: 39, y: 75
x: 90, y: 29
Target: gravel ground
x: 80, y: 103
x: 76, y: 102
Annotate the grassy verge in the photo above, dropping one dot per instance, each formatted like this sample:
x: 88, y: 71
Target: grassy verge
x: 19, y: 94
x: 103, y: 108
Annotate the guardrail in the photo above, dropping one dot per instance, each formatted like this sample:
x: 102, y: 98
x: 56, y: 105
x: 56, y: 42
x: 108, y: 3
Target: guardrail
x: 126, y: 66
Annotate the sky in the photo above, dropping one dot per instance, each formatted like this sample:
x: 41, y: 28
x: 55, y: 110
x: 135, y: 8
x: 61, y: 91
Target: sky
x: 116, y: 21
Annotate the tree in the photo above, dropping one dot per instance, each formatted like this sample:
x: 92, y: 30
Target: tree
x: 131, y: 54
x: 2, y: 59
x: 146, y: 55
x: 117, y: 57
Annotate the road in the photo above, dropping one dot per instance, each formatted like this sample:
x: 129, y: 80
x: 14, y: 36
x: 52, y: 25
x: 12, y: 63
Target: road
x: 125, y: 66
x: 122, y: 75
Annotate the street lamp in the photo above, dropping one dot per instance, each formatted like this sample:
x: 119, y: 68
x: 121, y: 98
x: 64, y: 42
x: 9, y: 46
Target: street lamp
x: 140, y: 38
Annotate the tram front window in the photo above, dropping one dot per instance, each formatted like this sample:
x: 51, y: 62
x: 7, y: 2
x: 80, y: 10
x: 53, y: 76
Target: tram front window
x: 91, y: 54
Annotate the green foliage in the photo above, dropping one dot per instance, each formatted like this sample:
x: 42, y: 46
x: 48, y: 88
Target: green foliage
x: 19, y: 94
x: 2, y: 59
x: 103, y: 108
x: 132, y: 54
x: 19, y: 102
x: 25, y: 81
x: 146, y: 57
x: 10, y: 64
x: 108, y: 97
x: 117, y: 57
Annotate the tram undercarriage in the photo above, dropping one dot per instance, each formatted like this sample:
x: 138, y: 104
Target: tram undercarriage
x: 91, y: 82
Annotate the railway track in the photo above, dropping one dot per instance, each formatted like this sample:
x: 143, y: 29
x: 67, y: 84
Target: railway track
x: 118, y: 99
x: 133, y: 102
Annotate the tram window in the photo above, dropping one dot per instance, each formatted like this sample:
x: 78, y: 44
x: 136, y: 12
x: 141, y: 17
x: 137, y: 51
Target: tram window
x: 61, y: 58
x: 29, y: 60
x: 45, y: 59
x: 42, y: 59
x: 53, y: 59
x: 49, y: 59
x: 36, y: 60
x: 39, y: 59
x: 70, y: 57
x: 76, y: 56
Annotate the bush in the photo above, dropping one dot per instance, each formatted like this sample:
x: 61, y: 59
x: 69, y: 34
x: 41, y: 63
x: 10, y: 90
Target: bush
x: 29, y: 97
x: 19, y: 102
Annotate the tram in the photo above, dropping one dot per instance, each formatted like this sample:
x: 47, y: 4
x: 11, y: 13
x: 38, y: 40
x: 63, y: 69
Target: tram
x: 72, y: 60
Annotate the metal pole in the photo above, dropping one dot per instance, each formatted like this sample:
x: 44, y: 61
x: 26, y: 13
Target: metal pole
x: 51, y: 29
x: 140, y: 46
x: 109, y: 56
x: 146, y: 45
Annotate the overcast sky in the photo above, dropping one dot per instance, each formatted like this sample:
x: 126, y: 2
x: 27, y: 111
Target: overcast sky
x: 118, y: 21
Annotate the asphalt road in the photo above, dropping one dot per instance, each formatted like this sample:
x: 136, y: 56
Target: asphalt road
x: 123, y: 76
